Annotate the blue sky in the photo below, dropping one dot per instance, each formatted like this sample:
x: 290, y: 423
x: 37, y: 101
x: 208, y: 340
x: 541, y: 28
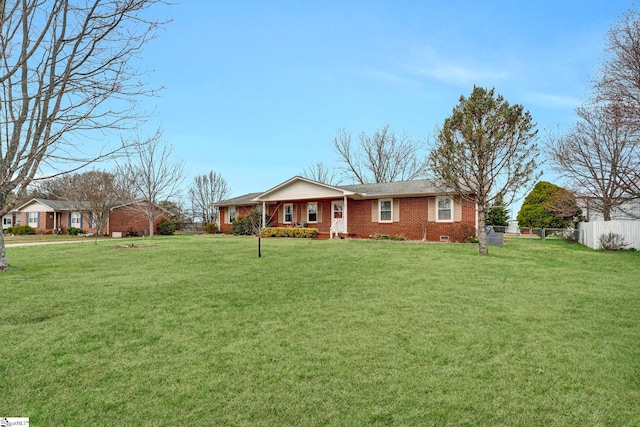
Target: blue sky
x: 256, y: 90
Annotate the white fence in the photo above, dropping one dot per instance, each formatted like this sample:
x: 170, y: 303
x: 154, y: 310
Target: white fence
x: 590, y: 232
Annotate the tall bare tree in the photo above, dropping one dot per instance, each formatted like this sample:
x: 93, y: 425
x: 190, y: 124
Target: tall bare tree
x: 65, y: 69
x: 152, y: 176
x: 599, y: 156
x: 487, y: 146
x: 204, y: 192
x: 618, y: 84
x: 381, y: 157
x: 321, y: 173
x: 618, y: 80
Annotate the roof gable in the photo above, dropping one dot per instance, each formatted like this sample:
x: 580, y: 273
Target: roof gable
x: 299, y: 188
x: 46, y: 205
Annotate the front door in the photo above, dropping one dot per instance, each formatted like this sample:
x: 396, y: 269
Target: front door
x: 337, y: 222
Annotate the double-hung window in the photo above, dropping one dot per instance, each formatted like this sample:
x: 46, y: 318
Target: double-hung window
x: 444, y: 209
x: 75, y: 219
x: 33, y: 219
x: 312, y: 212
x: 386, y: 210
x: 288, y: 213
x: 232, y: 214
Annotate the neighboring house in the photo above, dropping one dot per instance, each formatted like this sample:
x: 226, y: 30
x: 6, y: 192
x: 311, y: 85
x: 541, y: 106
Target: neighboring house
x: 10, y: 219
x: 417, y: 210
x: 50, y: 216
x: 629, y: 210
x: 129, y: 218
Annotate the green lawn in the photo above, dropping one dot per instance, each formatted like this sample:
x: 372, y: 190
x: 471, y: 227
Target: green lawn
x: 196, y: 330
x: 44, y: 238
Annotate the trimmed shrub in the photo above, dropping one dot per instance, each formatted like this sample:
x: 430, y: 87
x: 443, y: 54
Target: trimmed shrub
x: 294, y: 232
x: 166, y: 227
x: 210, y: 228
x: 74, y: 231
x: 21, y: 229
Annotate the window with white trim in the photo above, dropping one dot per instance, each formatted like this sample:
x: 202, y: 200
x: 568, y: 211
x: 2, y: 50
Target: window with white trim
x: 232, y: 214
x: 288, y: 213
x: 33, y: 219
x: 444, y: 209
x: 75, y: 219
x: 312, y: 212
x: 386, y: 210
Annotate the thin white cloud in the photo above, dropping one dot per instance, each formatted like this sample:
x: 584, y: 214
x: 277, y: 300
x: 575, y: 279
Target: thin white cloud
x: 461, y: 75
x: 431, y: 64
x: 554, y: 101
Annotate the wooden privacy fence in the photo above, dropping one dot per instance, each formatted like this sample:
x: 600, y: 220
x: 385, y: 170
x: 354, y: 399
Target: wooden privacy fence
x: 590, y: 232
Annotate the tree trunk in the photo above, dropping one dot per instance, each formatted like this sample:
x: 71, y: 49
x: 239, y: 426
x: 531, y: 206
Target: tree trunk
x: 259, y: 248
x: 3, y: 253
x: 151, y: 221
x: 482, y: 234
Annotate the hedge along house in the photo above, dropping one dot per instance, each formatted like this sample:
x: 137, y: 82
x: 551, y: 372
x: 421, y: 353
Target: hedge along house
x: 51, y: 216
x: 417, y: 210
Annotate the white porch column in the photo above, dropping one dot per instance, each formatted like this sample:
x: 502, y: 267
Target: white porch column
x: 344, y: 216
x: 264, y: 213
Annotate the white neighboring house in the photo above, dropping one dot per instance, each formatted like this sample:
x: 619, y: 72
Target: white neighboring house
x: 10, y: 219
x: 629, y: 210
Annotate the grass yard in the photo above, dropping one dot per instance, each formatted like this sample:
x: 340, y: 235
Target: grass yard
x: 44, y: 238
x: 196, y: 330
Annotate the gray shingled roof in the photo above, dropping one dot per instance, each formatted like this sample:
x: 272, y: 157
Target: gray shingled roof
x: 243, y: 200
x: 63, y: 205
x: 421, y: 187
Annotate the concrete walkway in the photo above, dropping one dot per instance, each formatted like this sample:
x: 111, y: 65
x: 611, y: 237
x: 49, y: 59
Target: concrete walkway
x: 15, y: 245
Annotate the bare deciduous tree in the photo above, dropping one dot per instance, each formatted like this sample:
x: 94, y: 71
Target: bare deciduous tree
x: 61, y: 62
x: 381, y: 157
x: 321, y: 173
x: 97, y: 192
x: 152, y: 176
x: 599, y: 156
x: 618, y: 84
x: 487, y: 147
x: 204, y: 192
x: 618, y: 80
x: 92, y: 193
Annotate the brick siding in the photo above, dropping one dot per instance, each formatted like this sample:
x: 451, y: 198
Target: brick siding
x: 413, y: 217
x: 128, y: 219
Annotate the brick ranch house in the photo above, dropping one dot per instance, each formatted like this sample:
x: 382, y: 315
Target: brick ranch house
x: 47, y: 216
x: 417, y: 210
